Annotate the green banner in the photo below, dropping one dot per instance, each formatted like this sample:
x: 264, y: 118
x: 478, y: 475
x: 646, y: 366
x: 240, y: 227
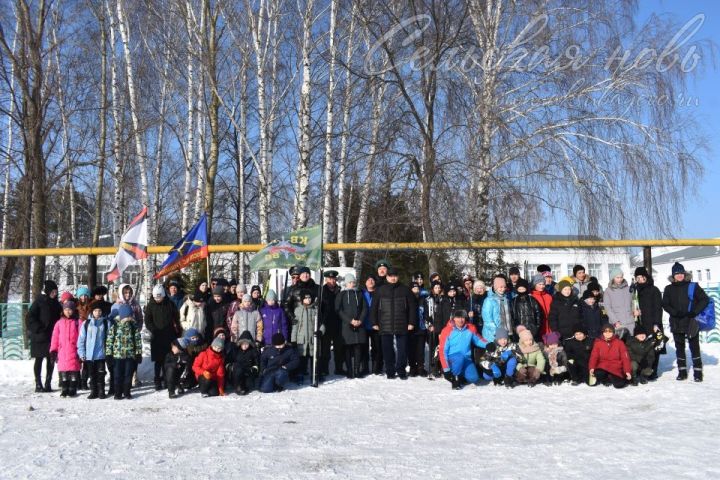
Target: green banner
x: 302, y: 247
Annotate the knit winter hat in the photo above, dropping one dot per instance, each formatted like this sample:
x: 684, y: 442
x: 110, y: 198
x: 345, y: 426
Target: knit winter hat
x: 562, y: 284
x: 158, y: 291
x: 594, y: 286
x: 639, y: 330
x: 247, y: 298
x: 198, y: 296
x: 95, y: 304
x: 523, y: 283
x: 218, y: 331
x: 543, y: 268
x: 435, y: 282
x: 125, y: 311
x: 615, y: 272
x: 349, y: 278
x: 271, y: 295
x: 245, y: 338
x: 678, y: 268
x: 218, y: 290
x: 68, y: 304
x: 579, y: 327
x: 514, y: 271
x: 82, y: 291
x: 537, y: 280
x: 551, y: 338
x: 49, y: 286
x: 218, y: 344
x: 255, y: 288
x: 460, y: 313
x: 501, y: 333
x: 192, y: 336
x: 278, y: 339
x: 65, y: 296
x: 524, y: 333
x: 641, y: 272
x: 608, y: 326
x: 587, y: 294
x: 182, y: 342
x: 100, y: 290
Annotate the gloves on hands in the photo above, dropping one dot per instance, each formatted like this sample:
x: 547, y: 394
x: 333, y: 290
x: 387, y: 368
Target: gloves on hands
x: 491, y: 347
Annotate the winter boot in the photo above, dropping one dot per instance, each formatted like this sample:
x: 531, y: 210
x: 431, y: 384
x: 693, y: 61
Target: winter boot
x: 697, y: 375
x: 634, y: 381
x: 171, y: 393
x: 642, y: 379
x: 74, y: 380
x: 48, y: 380
x: 413, y: 372
x: 682, y: 374
x: 38, y: 386
x: 158, y: 383
x: 455, y: 383
x: 497, y: 381
x: 126, y: 390
x: 64, y: 385
x: 510, y: 382
x: 101, y: 389
x: 93, y: 390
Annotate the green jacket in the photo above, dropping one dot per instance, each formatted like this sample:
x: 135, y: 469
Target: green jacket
x: 303, y: 329
x: 533, y: 359
x: 641, y: 350
x: 123, y: 340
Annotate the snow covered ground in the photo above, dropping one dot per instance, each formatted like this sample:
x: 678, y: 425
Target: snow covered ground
x: 370, y: 428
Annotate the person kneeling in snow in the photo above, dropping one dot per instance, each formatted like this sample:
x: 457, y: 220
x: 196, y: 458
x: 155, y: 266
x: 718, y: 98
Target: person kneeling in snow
x: 458, y: 352
x: 578, y: 351
x: 178, y: 366
x: 609, y: 360
x: 641, y: 349
x: 500, y: 360
x: 532, y: 360
x: 277, y: 361
x: 557, y: 359
x: 244, y: 363
x: 209, y: 368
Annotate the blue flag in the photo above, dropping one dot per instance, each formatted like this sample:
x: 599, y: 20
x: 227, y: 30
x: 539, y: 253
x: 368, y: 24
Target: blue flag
x: 192, y: 248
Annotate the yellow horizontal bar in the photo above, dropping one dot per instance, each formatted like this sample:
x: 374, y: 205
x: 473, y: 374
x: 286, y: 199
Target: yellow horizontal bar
x: 505, y: 244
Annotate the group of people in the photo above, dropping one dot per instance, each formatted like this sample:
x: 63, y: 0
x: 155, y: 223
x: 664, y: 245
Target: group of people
x: 222, y: 337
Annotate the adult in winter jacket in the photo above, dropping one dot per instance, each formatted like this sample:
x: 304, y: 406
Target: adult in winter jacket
x: 273, y: 318
x: 209, y: 369
x: 578, y: 351
x: 416, y: 338
x: 175, y: 293
x: 162, y: 320
x: 350, y: 307
x: 683, y: 323
x: 124, y: 348
x: 245, y: 364
x: 63, y: 346
x: 525, y: 310
x: 126, y: 296
x: 332, y: 339
x: 609, y: 360
x: 305, y: 284
x: 83, y: 302
x: 91, y: 348
x: 247, y: 318
x: 496, y: 310
x: 192, y: 313
x: 564, y: 311
x: 581, y: 280
x: 475, y: 303
x: 276, y: 363
x: 304, y: 335
x: 394, y: 315
x: 617, y: 301
x: 41, y: 318
x: 458, y: 352
x: 373, y: 358
x: 591, y: 315
x: 641, y: 349
x: 437, y: 315
x: 651, y: 310
x: 544, y: 300
x: 531, y: 363
x: 215, y: 313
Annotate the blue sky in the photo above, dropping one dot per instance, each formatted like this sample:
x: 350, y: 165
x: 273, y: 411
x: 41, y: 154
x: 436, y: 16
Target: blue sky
x: 701, y: 219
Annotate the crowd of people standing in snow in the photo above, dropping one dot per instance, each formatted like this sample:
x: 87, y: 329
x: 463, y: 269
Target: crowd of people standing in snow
x: 513, y: 331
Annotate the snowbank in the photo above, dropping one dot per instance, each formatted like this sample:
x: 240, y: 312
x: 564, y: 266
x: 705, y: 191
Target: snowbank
x: 370, y: 428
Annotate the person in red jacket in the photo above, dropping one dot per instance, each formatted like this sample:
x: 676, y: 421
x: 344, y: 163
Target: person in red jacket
x: 209, y: 369
x: 609, y: 360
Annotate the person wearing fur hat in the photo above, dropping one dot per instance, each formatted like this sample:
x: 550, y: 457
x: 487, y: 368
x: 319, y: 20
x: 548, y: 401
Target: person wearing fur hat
x: 273, y: 318
x: 163, y: 321
x: 256, y: 294
x: 243, y: 364
x: 351, y: 308
x: 556, y: 359
x: 91, y: 348
x: 683, y: 323
x: 209, y: 369
x: 564, y: 310
x: 617, y: 301
x: 63, y: 348
x: 178, y: 366
x: 457, y: 350
x: 532, y: 362
x: 381, y: 269
x: 641, y: 349
x: 124, y: 348
x: 609, y: 360
x: 544, y: 300
x: 247, y: 318
x: 41, y: 318
x: 496, y: 309
x: 578, y: 351
x: 304, y: 336
x: 276, y: 362
x: 98, y: 294
x: 175, y: 292
x: 525, y: 310
x: 192, y: 313
x: 651, y: 311
x: 500, y: 360
x: 216, y: 310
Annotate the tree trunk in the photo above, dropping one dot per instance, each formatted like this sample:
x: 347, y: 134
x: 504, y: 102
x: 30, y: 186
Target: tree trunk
x: 213, y: 114
x: 329, y: 164
x: 190, y: 143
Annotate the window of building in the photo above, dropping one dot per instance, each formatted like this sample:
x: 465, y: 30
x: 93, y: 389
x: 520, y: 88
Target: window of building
x: 594, y: 270
x: 699, y: 276
x: 707, y: 274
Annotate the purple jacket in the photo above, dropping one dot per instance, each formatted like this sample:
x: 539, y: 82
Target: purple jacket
x: 274, y: 321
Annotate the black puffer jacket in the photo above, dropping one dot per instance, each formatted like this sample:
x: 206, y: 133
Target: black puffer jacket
x: 350, y: 305
x: 564, y: 314
x: 329, y: 315
x: 215, y: 314
x: 41, y: 318
x: 676, y: 303
x: 525, y: 311
x: 162, y: 320
x: 294, y: 296
x: 651, y: 307
x: 579, y: 351
x: 394, y: 308
x: 640, y: 351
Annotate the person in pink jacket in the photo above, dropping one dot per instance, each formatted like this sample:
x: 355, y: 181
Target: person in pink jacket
x: 63, y: 349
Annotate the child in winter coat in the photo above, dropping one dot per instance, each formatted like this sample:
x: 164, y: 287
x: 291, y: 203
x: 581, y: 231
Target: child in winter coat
x: 500, y: 359
x: 525, y: 309
x: 591, y: 314
x: 303, y: 335
x: 247, y: 318
x: 557, y: 359
x: 277, y: 361
x: 245, y: 364
x: 124, y: 348
x: 273, y: 318
x: 63, y: 348
x: 532, y: 360
x: 641, y: 349
x: 609, y: 360
x: 209, y: 369
x: 192, y: 313
x: 178, y: 367
x: 91, y: 348
x: 564, y: 310
x: 617, y: 300
x: 578, y: 351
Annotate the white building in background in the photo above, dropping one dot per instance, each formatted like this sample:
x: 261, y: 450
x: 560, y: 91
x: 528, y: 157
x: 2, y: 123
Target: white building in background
x: 703, y: 262
x: 598, y: 262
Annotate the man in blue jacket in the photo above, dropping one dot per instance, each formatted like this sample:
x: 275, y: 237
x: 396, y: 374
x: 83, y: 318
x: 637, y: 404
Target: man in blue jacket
x: 458, y: 352
x: 276, y: 362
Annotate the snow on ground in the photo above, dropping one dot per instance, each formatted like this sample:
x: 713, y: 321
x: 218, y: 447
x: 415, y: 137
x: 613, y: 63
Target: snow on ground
x: 370, y: 428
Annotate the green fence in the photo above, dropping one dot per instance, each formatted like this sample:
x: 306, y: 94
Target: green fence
x: 13, y: 345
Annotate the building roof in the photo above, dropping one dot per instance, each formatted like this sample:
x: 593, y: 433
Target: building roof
x: 688, y: 253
